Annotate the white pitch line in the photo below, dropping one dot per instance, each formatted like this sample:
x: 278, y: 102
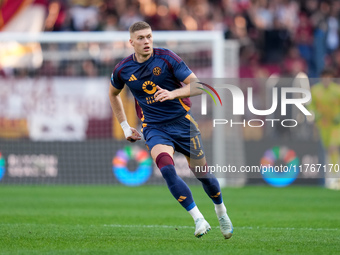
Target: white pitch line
x: 244, y: 227
x: 145, y: 226
x: 171, y: 226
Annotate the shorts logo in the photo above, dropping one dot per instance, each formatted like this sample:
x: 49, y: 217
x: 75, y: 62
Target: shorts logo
x: 157, y: 71
x: 200, y: 153
x: 149, y: 87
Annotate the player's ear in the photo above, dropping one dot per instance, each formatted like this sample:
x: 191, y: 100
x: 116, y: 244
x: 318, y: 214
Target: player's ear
x: 131, y: 42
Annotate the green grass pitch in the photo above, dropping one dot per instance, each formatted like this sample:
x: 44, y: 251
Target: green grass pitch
x: 148, y: 220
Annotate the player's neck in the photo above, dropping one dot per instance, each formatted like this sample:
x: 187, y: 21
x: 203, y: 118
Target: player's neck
x: 142, y: 58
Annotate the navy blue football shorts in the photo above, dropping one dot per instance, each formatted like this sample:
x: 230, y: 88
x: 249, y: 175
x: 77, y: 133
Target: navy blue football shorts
x: 182, y: 134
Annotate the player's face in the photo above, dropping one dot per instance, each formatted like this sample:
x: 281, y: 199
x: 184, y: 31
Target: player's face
x: 326, y: 80
x: 142, y: 41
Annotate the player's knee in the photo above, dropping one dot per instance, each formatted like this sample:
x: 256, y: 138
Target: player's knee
x: 164, y: 159
x: 166, y: 165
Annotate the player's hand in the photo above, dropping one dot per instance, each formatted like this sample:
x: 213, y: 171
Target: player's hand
x: 163, y: 95
x: 134, y: 136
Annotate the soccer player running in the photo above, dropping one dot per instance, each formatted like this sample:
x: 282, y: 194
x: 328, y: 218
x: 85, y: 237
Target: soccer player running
x: 154, y: 76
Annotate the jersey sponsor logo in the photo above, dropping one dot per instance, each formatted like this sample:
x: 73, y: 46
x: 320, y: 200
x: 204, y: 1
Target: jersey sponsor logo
x: 149, y: 87
x: 133, y: 78
x: 157, y: 71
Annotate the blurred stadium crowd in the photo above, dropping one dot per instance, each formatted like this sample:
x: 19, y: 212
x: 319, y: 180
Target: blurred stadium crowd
x: 283, y: 36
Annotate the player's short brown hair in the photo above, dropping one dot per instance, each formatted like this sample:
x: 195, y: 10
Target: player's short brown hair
x: 327, y: 72
x: 139, y: 25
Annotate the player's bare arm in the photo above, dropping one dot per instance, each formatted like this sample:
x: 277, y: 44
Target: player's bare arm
x: 130, y: 133
x: 189, y: 90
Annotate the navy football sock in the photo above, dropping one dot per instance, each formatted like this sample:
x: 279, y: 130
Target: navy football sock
x: 178, y: 188
x: 212, y: 187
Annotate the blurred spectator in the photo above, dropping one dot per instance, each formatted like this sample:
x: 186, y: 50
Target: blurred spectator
x: 336, y: 63
x: 287, y: 14
x: 164, y: 18
x: 262, y: 14
x: 89, y: 68
x: 130, y: 16
x: 319, y: 20
x: 304, y: 38
x: 275, y: 43
x: 111, y: 22
x: 56, y: 15
x: 84, y: 15
x: 332, y: 41
x: 274, y: 29
x: 293, y: 63
x: 310, y: 7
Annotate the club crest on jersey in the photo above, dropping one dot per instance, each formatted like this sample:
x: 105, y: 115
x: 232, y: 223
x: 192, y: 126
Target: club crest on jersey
x: 157, y: 71
x: 149, y: 87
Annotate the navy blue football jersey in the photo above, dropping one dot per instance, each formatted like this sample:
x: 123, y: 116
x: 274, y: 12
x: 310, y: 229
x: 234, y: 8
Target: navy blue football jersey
x: 165, y: 69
